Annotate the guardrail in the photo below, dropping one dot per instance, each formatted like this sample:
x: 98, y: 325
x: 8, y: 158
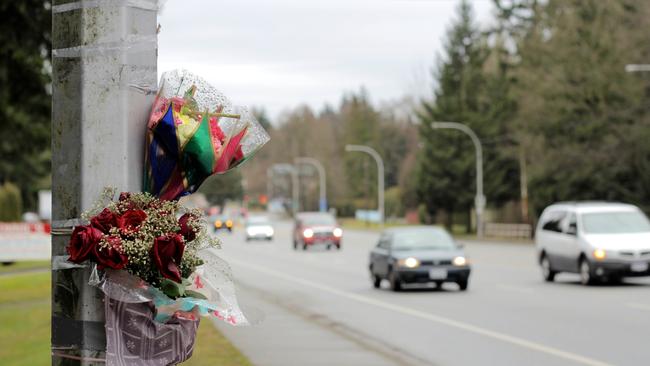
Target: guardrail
x: 503, y: 230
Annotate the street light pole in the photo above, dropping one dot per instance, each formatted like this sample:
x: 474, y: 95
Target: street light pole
x: 269, y: 183
x: 479, y: 200
x: 380, y: 174
x: 322, y: 202
x: 294, y: 183
x: 295, y: 190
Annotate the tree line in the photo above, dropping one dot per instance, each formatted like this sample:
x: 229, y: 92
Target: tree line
x: 544, y: 87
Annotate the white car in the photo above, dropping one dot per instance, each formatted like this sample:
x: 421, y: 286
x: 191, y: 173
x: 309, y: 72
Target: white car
x: 598, y: 240
x: 259, y: 227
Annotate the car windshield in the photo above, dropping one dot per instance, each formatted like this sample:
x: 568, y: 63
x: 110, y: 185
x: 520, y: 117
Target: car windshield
x: 615, y: 223
x: 258, y: 221
x: 318, y: 219
x: 423, y: 239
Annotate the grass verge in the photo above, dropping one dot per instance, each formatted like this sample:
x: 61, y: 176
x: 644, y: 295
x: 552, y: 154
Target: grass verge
x: 25, y: 322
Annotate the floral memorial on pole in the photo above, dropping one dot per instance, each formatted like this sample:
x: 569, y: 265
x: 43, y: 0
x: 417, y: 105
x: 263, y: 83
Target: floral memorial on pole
x: 154, y: 259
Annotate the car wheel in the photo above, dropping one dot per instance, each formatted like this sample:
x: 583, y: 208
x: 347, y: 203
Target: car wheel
x: 586, y: 275
x: 329, y: 246
x: 395, y: 283
x: 439, y: 284
x: 295, y: 244
x: 462, y: 284
x: 338, y: 246
x: 547, y: 272
x: 304, y: 246
x: 376, y: 280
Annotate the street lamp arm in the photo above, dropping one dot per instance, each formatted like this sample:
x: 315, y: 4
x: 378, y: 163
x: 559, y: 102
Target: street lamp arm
x: 380, y: 173
x: 637, y: 68
x: 321, y: 174
x: 480, y: 197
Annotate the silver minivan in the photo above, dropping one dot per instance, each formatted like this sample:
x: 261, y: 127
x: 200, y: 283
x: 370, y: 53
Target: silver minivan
x: 598, y: 240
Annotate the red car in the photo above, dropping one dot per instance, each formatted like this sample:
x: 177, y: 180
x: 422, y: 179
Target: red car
x: 316, y: 228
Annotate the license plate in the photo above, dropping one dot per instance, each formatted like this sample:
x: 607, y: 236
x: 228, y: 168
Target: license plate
x: 438, y: 274
x: 639, y: 267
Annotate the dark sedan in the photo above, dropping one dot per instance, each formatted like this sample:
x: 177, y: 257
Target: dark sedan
x: 422, y: 254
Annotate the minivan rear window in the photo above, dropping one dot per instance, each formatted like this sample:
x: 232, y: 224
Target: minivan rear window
x: 627, y: 222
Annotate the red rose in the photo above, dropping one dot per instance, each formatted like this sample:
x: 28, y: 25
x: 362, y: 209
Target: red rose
x: 82, y: 243
x: 111, y: 255
x: 186, y: 230
x: 167, y: 253
x: 104, y: 221
x: 131, y: 220
x: 124, y: 196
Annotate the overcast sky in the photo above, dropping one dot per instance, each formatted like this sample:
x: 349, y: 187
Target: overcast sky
x: 279, y: 54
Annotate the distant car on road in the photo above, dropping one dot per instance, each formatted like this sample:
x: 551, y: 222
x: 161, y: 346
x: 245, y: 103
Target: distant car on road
x: 597, y: 240
x: 222, y: 222
x: 418, y: 254
x: 311, y: 228
x: 259, y: 227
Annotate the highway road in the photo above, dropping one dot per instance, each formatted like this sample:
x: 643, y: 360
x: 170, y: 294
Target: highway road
x: 319, y: 308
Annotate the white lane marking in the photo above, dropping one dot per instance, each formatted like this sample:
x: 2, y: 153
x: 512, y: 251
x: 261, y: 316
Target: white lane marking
x: 638, y: 306
x: 430, y: 317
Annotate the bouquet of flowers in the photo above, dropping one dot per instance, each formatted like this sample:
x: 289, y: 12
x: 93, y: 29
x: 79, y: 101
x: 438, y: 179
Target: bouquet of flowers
x: 194, y: 132
x: 152, y: 260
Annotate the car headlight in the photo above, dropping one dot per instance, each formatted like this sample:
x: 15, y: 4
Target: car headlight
x: 409, y: 262
x: 599, y: 254
x: 460, y: 261
x: 338, y: 232
x: 269, y: 231
x: 308, y: 233
x: 229, y: 223
x: 217, y: 223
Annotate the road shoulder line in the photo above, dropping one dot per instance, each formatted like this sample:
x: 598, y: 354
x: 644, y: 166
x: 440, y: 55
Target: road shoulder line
x: 431, y: 317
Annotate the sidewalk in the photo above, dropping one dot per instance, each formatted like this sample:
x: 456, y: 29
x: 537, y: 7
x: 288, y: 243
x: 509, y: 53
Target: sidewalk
x: 288, y: 336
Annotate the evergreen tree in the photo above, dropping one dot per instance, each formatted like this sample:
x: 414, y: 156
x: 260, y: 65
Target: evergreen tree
x: 25, y: 97
x: 446, y: 173
x: 582, y: 116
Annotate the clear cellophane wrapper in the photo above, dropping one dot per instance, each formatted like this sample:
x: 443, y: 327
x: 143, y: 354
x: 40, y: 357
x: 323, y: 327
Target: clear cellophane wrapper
x: 213, y: 279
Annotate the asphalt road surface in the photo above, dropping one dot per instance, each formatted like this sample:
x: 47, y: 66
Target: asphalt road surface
x: 319, y: 308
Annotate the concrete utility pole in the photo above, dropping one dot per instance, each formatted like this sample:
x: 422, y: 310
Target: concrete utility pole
x: 380, y: 174
x: 322, y: 202
x: 479, y: 200
x: 103, y: 73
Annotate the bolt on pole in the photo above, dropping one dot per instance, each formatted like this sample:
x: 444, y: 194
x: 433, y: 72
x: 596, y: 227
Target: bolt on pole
x: 479, y: 200
x: 322, y: 202
x: 380, y: 174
